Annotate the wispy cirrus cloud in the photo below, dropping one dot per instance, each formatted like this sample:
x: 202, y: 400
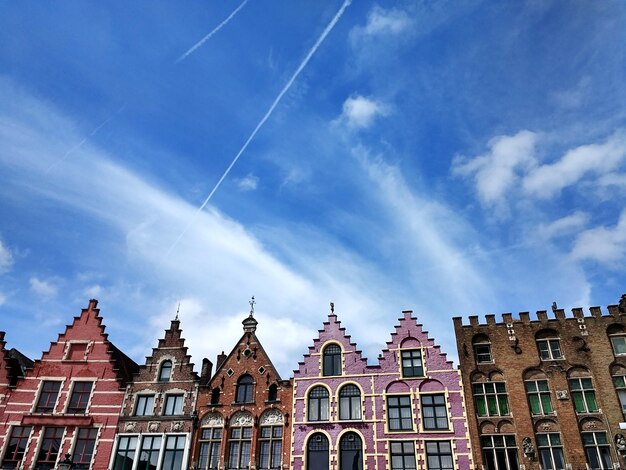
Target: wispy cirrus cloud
x: 43, y: 287
x: 567, y: 225
x: 6, y: 258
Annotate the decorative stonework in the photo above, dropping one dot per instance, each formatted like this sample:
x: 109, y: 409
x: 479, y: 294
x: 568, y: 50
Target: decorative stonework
x: 562, y: 395
x: 177, y: 426
x: 130, y: 426
x: 241, y: 418
x: 213, y: 420
x: 153, y: 426
x: 271, y: 417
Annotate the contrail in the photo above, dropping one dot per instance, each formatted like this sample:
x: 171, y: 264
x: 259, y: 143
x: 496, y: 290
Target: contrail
x: 215, y: 30
x: 80, y: 144
x: 269, y: 112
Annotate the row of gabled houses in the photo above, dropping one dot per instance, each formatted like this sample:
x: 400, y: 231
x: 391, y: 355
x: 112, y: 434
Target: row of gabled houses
x: 544, y: 393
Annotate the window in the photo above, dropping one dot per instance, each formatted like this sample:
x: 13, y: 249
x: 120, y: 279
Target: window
x: 491, y: 399
x: 239, y: 452
x: 49, y: 450
x: 174, y: 450
x: 317, y: 452
x: 271, y: 447
x: 125, y: 455
x: 80, y: 397
x: 173, y: 405
x: 402, y: 455
x: 145, y: 405
x: 499, y: 452
x: 549, y: 349
x: 244, y: 389
x: 583, y: 395
x: 439, y: 455
x: 539, y: 397
x: 597, y: 450
x: 149, y: 455
x: 350, y: 452
x: 350, y: 402
x: 332, y: 360
x: 83, y: 451
x: 318, y: 404
x: 165, y: 373
x: 17, y: 446
x: 550, y: 451
x: 412, y: 363
x: 619, y: 345
x: 619, y: 381
x: 215, y: 396
x: 272, y: 393
x: 48, y: 396
x: 210, y: 444
x: 399, y: 415
x: 482, y: 349
x: 434, y: 412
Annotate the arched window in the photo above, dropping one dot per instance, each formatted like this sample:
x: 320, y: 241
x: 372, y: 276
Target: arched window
x: 317, y: 452
x: 617, y: 335
x: 244, y: 389
x: 215, y: 396
x: 482, y: 349
x: 318, y: 404
x: 272, y: 394
x: 165, y: 373
x: 350, y: 452
x: 332, y: 360
x: 350, y: 402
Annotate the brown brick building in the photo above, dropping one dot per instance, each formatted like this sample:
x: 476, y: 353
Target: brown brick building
x: 547, y: 392
x: 158, y: 415
x: 244, y: 411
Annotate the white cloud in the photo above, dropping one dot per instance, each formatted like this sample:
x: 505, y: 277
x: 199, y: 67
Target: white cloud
x: 605, y: 245
x: 600, y: 159
x: 382, y: 22
x: 43, y: 288
x: 3, y: 298
x: 574, y: 97
x: 6, y: 258
x: 360, y: 112
x: 564, y: 226
x: 248, y: 183
x: 496, y: 172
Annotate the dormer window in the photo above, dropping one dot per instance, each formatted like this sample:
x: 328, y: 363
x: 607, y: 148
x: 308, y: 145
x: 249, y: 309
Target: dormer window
x: 331, y: 360
x: 165, y: 373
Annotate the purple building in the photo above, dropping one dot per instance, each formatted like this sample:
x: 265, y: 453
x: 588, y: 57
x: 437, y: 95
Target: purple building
x: 405, y: 413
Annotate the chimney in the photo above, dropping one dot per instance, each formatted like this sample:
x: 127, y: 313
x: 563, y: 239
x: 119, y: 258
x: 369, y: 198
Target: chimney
x: 207, y: 368
x: 220, y: 360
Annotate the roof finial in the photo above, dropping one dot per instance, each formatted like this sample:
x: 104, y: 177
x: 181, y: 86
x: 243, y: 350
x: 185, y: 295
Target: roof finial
x: 177, y: 311
x: 252, y: 302
x: 332, y: 307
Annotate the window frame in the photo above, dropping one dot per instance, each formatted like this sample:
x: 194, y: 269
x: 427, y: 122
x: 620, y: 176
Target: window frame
x: 398, y: 452
x: 479, y: 356
x: 322, y: 400
x: 439, y: 411
x: 542, y: 396
x: 270, y: 447
x: 17, y: 445
x: 350, y: 402
x: 80, y: 407
x: 585, y: 395
x: 619, y: 383
x: 239, y: 442
x: 348, y: 451
x: 210, y: 447
x: 173, y: 456
x: 622, y: 338
x: 500, y: 398
x: 439, y: 455
x: 398, y: 407
x: 143, y: 410
x: 409, y: 371
x: 548, y: 448
x: 47, y: 447
x: 165, y: 371
x: 47, y: 399
x: 245, y: 389
x: 173, y: 399
x: 548, y: 353
x: 151, y: 447
x: 511, y: 459
x: 597, y: 449
x: 324, y: 447
x: 332, y: 360
x: 126, y: 454
x: 84, y: 447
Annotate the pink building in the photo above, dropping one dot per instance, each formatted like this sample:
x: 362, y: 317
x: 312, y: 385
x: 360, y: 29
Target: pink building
x: 68, y: 403
x: 405, y: 413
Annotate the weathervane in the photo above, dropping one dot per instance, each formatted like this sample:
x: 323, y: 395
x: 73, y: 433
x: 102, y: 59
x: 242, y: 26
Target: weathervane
x: 332, y: 307
x: 252, y: 302
x: 177, y: 311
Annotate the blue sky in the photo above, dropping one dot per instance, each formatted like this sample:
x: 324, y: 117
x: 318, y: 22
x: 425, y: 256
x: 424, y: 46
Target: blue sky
x: 452, y: 158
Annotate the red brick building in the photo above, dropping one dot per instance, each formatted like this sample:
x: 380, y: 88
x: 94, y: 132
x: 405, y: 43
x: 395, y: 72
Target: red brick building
x: 244, y: 411
x: 68, y: 402
x: 158, y: 415
x: 546, y: 393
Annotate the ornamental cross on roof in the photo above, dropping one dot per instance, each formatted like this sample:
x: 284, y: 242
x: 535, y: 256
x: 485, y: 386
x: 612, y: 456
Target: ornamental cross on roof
x: 252, y: 302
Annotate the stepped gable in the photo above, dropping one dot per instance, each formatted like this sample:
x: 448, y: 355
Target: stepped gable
x: 332, y: 332
x: 409, y: 334
x: 13, y: 364
x: 79, y: 339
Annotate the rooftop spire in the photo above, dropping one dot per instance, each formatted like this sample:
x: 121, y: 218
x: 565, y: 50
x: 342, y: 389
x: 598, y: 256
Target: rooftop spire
x: 249, y: 324
x: 177, y: 311
x: 332, y: 307
x: 252, y: 302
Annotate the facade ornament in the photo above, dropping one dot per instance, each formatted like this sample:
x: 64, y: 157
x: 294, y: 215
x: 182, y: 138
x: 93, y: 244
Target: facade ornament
x: 177, y: 426
x: 213, y: 420
x: 271, y: 417
x: 130, y: 427
x: 562, y: 395
x: 153, y: 426
x: 620, y: 443
x: 529, y: 449
x: 241, y: 418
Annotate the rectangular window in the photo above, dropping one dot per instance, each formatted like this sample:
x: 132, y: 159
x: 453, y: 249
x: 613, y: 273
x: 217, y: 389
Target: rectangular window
x: 271, y: 447
x: 550, y: 451
x: 499, y: 452
x: 439, y: 455
x: 173, y: 405
x: 83, y: 451
x: 149, y: 455
x: 49, y: 450
x: 402, y: 455
x: 399, y: 415
x: 145, y: 405
x: 80, y: 397
x: 48, y: 396
x: 549, y: 349
x: 483, y: 353
x: 412, y: 363
x: 583, y: 395
x: 17, y: 446
x: 539, y: 397
x: 619, y: 345
x: 619, y: 381
x: 597, y: 450
x: 174, y: 450
x: 239, y: 452
x: 125, y: 455
x: 491, y: 399
x: 210, y: 444
x: 434, y: 412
